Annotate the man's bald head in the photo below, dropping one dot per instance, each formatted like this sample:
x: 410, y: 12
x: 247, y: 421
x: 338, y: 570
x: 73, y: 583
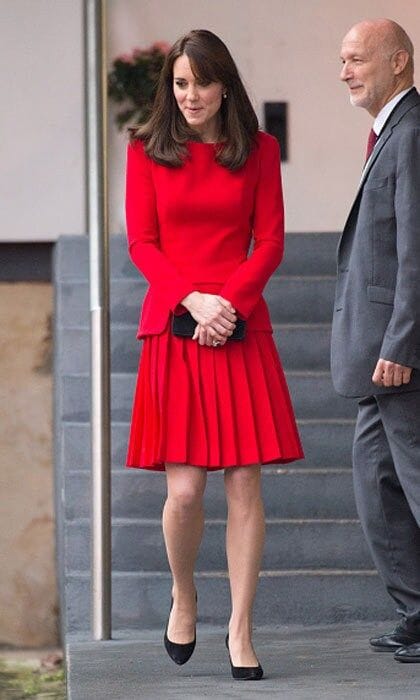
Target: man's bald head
x: 385, y: 35
x: 378, y: 62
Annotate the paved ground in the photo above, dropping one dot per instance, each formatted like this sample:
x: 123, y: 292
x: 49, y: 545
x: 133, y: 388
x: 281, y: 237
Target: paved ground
x: 301, y: 663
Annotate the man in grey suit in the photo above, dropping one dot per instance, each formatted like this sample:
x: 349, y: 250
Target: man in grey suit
x: 375, y: 350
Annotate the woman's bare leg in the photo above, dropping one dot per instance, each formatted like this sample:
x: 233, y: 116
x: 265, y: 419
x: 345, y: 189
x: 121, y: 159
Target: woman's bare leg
x: 244, y: 546
x: 183, y: 523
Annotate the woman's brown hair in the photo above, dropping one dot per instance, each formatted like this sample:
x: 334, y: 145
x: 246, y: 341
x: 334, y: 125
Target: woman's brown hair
x: 166, y: 133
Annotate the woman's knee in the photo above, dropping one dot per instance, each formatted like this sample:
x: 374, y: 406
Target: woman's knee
x: 243, y: 485
x: 185, y: 490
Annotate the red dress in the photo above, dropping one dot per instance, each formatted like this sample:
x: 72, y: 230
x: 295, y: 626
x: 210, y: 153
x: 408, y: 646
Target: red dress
x: 190, y: 228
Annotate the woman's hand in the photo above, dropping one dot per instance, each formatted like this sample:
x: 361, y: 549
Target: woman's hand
x: 215, y: 317
x: 206, y: 337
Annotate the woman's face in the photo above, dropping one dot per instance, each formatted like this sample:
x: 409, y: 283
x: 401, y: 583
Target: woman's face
x: 199, y: 102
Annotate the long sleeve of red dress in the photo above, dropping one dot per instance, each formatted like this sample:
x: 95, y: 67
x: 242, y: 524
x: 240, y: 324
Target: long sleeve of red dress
x: 143, y: 230
x: 244, y: 287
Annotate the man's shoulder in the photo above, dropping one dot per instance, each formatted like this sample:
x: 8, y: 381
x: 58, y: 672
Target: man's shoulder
x: 413, y: 111
x: 408, y: 113
x: 409, y: 126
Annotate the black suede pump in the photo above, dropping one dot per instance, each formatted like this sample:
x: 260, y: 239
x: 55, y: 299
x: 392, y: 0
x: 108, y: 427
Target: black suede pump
x: 244, y: 673
x: 179, y: 653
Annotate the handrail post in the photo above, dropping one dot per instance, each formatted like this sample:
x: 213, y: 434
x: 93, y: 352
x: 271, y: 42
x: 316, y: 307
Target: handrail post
x: 98, y: 228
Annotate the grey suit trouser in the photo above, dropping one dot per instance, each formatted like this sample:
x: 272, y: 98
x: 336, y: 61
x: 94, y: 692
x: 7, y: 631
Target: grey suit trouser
x: 386, y: 470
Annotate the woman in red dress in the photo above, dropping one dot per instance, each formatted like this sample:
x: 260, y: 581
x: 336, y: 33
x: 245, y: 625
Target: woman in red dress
x: 203, y: 183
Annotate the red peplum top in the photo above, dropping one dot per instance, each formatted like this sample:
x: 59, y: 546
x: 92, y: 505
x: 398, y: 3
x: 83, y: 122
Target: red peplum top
x: 191, y: 228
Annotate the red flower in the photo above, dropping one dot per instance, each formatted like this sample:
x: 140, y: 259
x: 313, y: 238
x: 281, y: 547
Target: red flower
x: 138, y: 53
x: 124, y: 58
x: 161, y: 46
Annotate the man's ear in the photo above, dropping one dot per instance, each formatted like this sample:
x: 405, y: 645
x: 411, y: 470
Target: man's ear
x: 399, y: 61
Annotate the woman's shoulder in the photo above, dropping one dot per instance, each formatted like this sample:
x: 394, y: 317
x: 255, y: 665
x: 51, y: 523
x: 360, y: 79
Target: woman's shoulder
x: 267, y: 151
x: 137, y: 148
x: 267, y: 142
x: 136, y: 143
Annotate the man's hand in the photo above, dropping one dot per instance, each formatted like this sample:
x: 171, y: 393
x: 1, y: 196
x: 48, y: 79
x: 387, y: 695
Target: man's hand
x: 391, y: 374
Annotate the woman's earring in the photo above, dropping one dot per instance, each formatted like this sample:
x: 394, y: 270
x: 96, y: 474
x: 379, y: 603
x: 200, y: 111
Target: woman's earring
x: 225, y: 95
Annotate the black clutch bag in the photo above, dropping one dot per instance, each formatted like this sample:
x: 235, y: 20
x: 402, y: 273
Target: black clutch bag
x: 184, y: 326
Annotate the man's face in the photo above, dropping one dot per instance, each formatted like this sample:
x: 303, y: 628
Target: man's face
x: 367, y: 70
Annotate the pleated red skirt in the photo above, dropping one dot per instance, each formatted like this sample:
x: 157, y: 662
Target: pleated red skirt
x: 211, y: 407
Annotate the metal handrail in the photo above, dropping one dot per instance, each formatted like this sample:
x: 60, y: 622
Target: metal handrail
x: 98, y: 229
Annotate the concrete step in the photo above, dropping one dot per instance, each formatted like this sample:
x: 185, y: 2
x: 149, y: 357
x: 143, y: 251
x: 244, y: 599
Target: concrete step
x: 125, y: 301
x: 313, y: 397
x: 310, y: 254
x: 291, y: 300
x: 301, y: 347
x: 288, y: 493
x: 298, y: 299
x: 305, y: 254
x: 137, y: 545
x: 71, y: 258
x: 141, y: 601
x: 75, y: 350
x: 327, y: 444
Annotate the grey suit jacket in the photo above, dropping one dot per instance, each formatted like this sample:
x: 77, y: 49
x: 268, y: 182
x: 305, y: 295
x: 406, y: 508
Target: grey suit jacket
x: 377, y: 301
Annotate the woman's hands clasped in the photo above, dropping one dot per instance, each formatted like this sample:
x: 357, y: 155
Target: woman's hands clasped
x: 215, y: 316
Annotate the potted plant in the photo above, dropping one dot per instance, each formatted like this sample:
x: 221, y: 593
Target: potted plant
x: 132, y: 82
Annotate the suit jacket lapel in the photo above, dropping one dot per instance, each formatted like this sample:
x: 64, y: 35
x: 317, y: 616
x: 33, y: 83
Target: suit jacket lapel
x: 408, y: 101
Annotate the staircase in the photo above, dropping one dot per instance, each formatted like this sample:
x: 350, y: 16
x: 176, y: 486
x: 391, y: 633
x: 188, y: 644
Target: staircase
x: 316, y: 566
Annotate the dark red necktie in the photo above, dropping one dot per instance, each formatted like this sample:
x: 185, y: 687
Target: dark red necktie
x: 371, y: 143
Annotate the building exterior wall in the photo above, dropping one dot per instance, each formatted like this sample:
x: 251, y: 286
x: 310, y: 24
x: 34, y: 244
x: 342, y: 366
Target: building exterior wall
x: 28, y: 598
x: 41, y: 119
x: 287, y: 50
